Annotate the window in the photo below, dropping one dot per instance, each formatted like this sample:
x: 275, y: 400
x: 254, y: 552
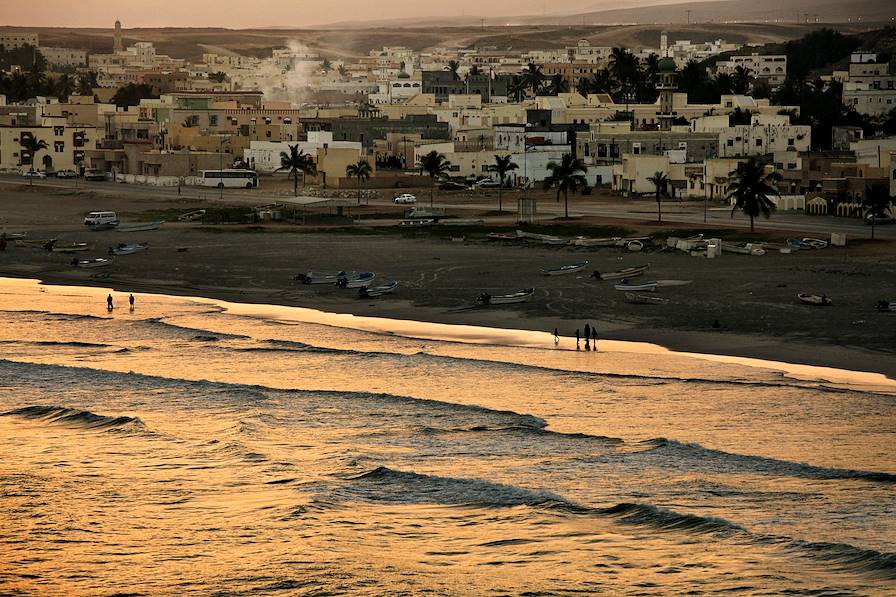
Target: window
x: 636, y: 148
x: 758, y: 142
x: 213, y: 120
x: 58, y: 130
x: 58, y: 146
x: 730, y: 143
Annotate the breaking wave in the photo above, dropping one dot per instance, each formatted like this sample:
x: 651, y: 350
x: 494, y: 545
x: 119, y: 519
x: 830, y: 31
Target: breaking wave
x: 73, y: 418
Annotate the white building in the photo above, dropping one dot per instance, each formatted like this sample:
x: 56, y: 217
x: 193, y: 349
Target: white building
x: 264, y: 156
x: 770, y: 68
x: 869, y: 88
x: 766, y: 135
x: 64, y: 57
x: 16, y: 39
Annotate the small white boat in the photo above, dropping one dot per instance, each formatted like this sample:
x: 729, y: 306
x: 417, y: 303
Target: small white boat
x: 505, y: 299
x: 629, y: 272
x: 140, y: 227
x: 13, y: 235
x: 128, y: 249
x: 70, y: 248
x: 368, y: 292
x: 662, y: 283
x: 192, y: 215
x: 355, y: 280
x: 814, y: 299
x: 500, y: 236
x: 644, y: 299
x: 747, y: 249
x: 795, y: 243
x: 545, y: 239
x: 884, y: 306
x: 91, y: 263
x: 634, y: 246
x: 566, y: 269
x: 319, y: 278
x: 626, y: 286
x: 816, y: 243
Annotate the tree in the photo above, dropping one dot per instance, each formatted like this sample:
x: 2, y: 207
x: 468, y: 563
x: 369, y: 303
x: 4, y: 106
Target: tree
x: 557, y: 84
x: 453, y: 67
x: 625, y: 70
x: 503, y: 165
x: 360, y: 170
x: 343, y: 72
x: 566, y: 176
x: 532, y: 77
x: 65, y: 86
x: 751, y: 189
x: 297, y: 161
x: 131, y: 94
x: 434, y: 164
x: 86, y: 83
x: 326, y: 65
x: 740, y: 116
x: 661, y: 184
x: 33, y: 147
x: 474, y: 70
x: 217, y: 77
x: 741, y: 80
x: 876, y: 204
x: 599, y: 82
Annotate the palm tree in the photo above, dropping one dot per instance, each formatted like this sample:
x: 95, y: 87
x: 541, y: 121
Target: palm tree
x: 474, y: 70
x: 532, y: 77
x: 517, y: 88
x: 360, y: 170
x: 661, y: 184
x: 741, y: 79
x: 751, y: 189
x: 434, y: 164
x: 624, y: 69
x: 503, y: 165
x: 343, y: 72
x: 566, y: 176
x: 557, y: 85
x: 876, y: 204
x: 453, y: 67
x: 296, y: 161
x: 33, y: 146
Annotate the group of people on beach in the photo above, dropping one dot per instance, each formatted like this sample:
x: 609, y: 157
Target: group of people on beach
x: 110, y: 303
x: 590, y: 337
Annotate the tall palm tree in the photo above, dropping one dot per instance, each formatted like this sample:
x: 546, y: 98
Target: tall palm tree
x: 751, y: 189
x: 661, y: 183
x: 503, y: 164
x: 566, y: 176
x: 517, y: 88
x: 297, y: 161
x: 33, y: 146
x: 453, y: 67
x: 532, y: 77
x: 557, y: 85
x: 434, y: 164
x: 876, y: 204
x: 624, y: 69
x: 741, y: 79
x: 360, y: 170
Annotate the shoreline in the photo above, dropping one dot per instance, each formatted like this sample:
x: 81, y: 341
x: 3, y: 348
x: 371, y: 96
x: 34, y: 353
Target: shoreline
x: 716, y: 345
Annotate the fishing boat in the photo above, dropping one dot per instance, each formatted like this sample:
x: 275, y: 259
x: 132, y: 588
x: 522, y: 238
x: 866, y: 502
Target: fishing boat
x: 629, y: 272
x: 644, y: 299
x: 505, y: 299
x: 814, y: 299
x: 319, y: 278
x: 140, y: 227
x: 816, y: 243
x: 91, y: 263
x: 886, y: 306
x: 545, y: 239
x: 104, y: 226
x: 192, y: 215
x: 128, y: 249
x: 355, y: 280
x: 566, y: 269
x: 624, y: 242
x: 69, y: 248
x: 370, y: 292
x: 746, y: 249
x: 800, y: 245
x: 627, y: 286
x: 584, y: 241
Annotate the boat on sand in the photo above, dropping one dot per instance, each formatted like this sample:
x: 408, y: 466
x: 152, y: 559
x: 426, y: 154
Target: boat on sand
x: 644, y: 299
x: 814, y: 299
x: 627, y: 286
x: 565, y: 269
x: 372, y: 291
x: 629, y: 272
x: 505, y: 299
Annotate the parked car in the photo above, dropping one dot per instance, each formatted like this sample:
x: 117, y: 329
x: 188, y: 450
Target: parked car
x: 405, y: 199
x: 488, y: 183
x: 66, y: 174
x: 34, y: 174
x: 94, y: 174
x: 101, y: 218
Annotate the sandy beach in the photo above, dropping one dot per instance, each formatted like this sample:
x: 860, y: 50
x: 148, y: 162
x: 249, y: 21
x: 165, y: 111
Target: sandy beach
x: 753, y: 299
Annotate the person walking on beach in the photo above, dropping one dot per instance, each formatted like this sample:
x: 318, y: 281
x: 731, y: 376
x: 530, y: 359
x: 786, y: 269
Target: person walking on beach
x: 556, y: 337
x: 109, y: 305
x: 131, y: 301
x: 577, y: 338
x: 587, y: 337
x: 594, y: 337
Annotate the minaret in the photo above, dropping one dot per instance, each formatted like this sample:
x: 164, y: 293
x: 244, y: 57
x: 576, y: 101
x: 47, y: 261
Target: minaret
x: 118, y: 47
x: 668, y: 73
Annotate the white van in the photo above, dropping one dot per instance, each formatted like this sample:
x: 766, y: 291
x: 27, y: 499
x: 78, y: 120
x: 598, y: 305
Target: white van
x: 101, y: 218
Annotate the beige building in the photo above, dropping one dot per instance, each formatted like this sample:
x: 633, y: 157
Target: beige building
x: 66, y: 147
x: 869, y: 87
x: 771, y: 68
x: 17, y: 39
x: 64, y: 57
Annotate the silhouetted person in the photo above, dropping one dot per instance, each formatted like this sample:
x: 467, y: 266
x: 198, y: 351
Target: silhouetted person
x: 131, y: 301
x: 109, y: 304
x: 556, y: 336
x: 594, y: 337
x: 716, y: 325
x: 587, y: 332
x: 577, y: 338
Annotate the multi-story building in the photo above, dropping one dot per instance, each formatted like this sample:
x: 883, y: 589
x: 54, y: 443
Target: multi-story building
x: 66, y: 146
x: 771, y: 68
x: 869, y: 88
x: 16, y: 39
x: 64, y: 57
x: 444, y: 83
x: 764, y: 136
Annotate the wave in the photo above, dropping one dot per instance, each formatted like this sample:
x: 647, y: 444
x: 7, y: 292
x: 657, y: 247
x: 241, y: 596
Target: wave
x: 75, y: 419
x: 708, y: 457
x: 58, y: 343
x: 384, y: 484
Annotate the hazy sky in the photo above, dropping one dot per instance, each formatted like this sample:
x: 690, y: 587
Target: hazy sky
x: 267, y: 13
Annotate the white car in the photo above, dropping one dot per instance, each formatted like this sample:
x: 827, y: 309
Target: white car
x: 66, y: 174
x: 34, y: 174
x: 405, y: 199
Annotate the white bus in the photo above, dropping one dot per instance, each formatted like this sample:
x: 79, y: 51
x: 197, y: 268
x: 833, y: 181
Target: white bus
x: 247, y: 179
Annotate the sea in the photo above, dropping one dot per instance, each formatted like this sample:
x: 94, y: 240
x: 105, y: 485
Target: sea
x: 197, y: 447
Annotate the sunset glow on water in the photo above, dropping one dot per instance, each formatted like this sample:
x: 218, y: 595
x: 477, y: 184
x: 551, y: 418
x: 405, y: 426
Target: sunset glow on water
x: 193, y: 447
